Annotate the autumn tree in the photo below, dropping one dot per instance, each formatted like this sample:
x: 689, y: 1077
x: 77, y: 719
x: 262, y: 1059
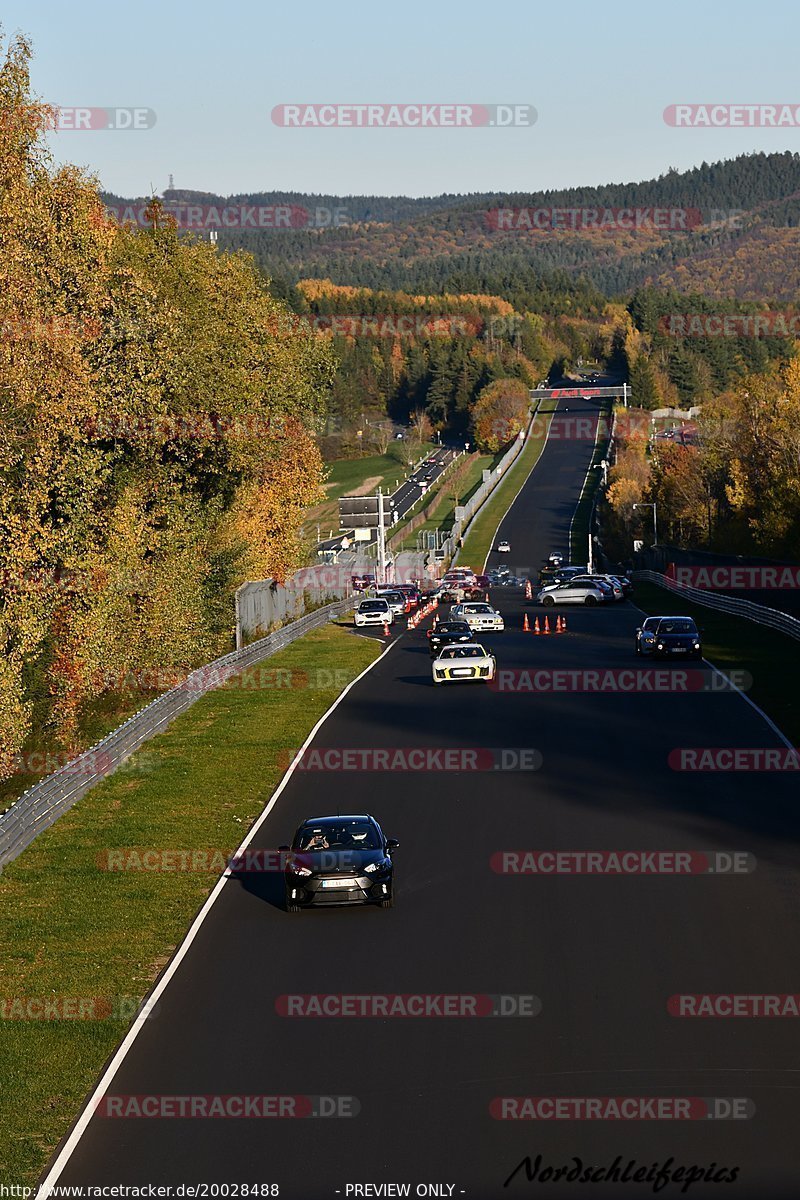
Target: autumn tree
x: 500, y: 413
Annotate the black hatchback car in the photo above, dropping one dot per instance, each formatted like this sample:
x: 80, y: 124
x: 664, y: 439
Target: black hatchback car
x: 339, y: 860
x: 448, y: 633
x: 668, y: 637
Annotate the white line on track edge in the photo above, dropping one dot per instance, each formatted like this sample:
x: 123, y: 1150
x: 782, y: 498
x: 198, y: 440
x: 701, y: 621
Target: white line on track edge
x: 76, y: 1133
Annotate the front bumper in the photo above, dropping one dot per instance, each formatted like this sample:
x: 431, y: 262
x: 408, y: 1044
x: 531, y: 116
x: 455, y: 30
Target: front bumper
x: 312, y: 892
x: 474, y: 677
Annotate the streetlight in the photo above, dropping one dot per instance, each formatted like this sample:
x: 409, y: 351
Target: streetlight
x: 655, y: 518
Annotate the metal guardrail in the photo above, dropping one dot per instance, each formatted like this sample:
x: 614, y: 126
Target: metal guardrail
x: 41, y: 805
x: 758, y: 613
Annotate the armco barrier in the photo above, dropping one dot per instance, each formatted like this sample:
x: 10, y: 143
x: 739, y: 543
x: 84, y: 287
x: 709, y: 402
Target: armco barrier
x: 42, y: 805
x: 759, y: 613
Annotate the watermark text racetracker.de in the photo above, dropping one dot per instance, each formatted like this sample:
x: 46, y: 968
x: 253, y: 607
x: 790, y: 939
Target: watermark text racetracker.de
x: 403, y: 116
x: 729, y: 1005
x: 622, y: 862
x: 585, y: 219
x: 82, y: 118
x: 733, y: 116
x: 408, y: 1005
x: 773, y: 324
x: 415, y: 759
x: 622, y: 1108
x: 252, y: 217
x: 236, y: 1107
x: 618, y: 680
x: 735, y: 577
x: 733, y: 759
x: 75, y: 1008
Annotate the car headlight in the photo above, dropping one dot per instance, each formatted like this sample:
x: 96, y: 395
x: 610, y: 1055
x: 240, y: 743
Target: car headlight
x: 660, y: 646
x: 296, y: 869
x: 697, y: 646
x: 376, y: 866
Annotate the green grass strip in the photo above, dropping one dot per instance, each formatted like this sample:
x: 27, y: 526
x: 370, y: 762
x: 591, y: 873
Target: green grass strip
x: 483, y: 528
x: 71, y: 929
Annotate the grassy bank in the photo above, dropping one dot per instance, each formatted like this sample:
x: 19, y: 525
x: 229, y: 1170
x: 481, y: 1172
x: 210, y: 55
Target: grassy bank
x: 69, y: 928
x: 478, y: 541
x: 347, y: 476
x: 770, y: 661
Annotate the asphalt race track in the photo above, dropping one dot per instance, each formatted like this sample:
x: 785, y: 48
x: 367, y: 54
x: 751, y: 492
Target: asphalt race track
x: 602, y: 953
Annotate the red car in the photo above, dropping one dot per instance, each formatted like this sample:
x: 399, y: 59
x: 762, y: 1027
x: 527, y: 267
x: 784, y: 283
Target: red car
x: 361, y: 583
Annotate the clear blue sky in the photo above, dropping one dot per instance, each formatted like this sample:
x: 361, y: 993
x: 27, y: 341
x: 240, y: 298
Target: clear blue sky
x: 599, y: 74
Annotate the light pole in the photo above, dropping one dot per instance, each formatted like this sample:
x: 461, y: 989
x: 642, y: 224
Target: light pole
x: 655, y: 518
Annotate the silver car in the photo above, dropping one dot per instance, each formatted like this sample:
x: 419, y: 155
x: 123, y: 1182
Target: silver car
x: 608, y: 580
x: 396, y: 600
x: 480, y: 617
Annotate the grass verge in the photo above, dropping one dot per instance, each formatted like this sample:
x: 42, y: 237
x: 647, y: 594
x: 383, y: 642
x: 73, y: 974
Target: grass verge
x: 478, y: 541
x: 770, y: 660
x: 69, y: 928
x: 346, y: 475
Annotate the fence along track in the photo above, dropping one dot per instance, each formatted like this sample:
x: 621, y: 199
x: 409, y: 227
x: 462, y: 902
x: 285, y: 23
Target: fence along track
x: 759, y: 613
x: 41, y: 805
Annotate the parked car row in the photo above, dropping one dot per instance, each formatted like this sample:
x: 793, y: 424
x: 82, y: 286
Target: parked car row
x: 575, y: 585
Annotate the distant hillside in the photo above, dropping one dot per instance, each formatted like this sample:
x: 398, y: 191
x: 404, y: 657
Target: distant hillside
x: 451, y: 243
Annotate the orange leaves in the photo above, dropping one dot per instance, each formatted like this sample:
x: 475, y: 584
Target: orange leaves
x: 500, y: 413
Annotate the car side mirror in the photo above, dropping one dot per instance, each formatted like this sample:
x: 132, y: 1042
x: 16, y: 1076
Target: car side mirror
x: 392, y: 843
x: 639, y: 630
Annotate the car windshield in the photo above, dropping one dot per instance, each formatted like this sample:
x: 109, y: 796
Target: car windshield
x: 349, y: 835
x: 452, y: 627
x: 463, y: 652
x: 372, y: 606
x: 478, y: 608
x: 393, y: 597
x: 684, y: 626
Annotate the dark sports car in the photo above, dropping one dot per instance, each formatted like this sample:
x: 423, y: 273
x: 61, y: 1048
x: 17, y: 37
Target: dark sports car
x: 447, y: 633
x: 339, y: 860
x: 665, y: 637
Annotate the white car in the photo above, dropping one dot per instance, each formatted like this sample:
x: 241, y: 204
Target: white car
x: 572, y: 592
x: 373, y: 612
x: 504, y: 547
x: 556, y: 559
x: 459, y: 575
x: 466, y: 663
x: 480, y: 617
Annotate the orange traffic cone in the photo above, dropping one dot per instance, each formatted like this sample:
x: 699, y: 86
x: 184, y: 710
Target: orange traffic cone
x: 558, y: 624
x: 487, y: 597
x: 536, y: 628
x: 547, y: 624
x: 386, y: 629
x: 528, y: 590
x: 526, y: 625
